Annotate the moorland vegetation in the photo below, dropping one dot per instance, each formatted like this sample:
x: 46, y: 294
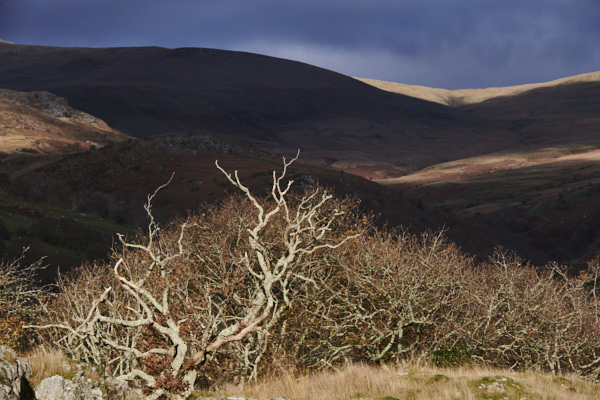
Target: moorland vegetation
x: 300, y: 280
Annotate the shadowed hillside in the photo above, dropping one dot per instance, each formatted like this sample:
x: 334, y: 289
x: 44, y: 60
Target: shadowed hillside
x: 275, y: 104
x: 540, y: 195
x: 542, y: 201
x: 278, y: 106
x: 567, y: 112
x: 562, y: 111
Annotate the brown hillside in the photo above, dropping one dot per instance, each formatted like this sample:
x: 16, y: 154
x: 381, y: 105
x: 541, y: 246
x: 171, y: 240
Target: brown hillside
x: 127, y: 172
x: 42, y: 123
x: 562, y: 111
x: 541, y: 195
x: 542, y: 201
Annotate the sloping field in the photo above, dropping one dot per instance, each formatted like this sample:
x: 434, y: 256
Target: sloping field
x: 545, y: 201
x: 518, y: 178
x: 42, y: 123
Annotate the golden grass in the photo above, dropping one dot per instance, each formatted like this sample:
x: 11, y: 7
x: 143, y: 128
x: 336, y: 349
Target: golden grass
x: 471, y: 96
x: 50, y: 362
x: 47, y: 363
x: 356, y: 381
x: 419, y: 383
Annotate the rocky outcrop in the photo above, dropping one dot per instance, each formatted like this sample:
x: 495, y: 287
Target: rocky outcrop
x: 15, y: 373
x: 78, y: 388
x: 46, y: 102
x: 82, y: 388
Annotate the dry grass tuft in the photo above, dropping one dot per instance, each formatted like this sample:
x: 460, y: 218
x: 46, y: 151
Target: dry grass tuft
x: 49, y: 362
x: 419, y: 383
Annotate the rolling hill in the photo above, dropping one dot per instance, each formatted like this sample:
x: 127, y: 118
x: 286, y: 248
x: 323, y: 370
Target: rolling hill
x: 542, y: 194
x: 459, y: 97
x: 513, y: 166
x: 274, y: 104
x: 565, y: 110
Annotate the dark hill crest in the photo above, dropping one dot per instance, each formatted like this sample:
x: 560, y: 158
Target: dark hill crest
x: 275, y: 104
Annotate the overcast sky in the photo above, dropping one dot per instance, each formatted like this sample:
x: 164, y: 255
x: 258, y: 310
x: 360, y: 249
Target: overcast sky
x: 441, y: 43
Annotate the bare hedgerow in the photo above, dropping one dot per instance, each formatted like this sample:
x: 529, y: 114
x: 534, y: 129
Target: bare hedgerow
x: 200, y: 296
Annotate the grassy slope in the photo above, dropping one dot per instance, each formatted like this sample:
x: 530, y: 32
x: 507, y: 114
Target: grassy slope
x: 38, y: 129
x: 62, y: 237
x: 460, y: 97
x: 408, y: 381
x: 129, y: 171
x: 420, y: 383
x: 542, y: 201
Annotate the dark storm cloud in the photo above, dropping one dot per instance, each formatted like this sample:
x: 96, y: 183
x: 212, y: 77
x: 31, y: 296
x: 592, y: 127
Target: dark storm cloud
x: 431, y: 42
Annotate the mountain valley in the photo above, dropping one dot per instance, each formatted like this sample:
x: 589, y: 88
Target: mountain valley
x: 516, y: 167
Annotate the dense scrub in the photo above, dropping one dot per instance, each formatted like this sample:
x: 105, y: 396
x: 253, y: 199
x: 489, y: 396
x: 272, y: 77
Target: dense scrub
x: 390, y: 296
x: 303, y: 281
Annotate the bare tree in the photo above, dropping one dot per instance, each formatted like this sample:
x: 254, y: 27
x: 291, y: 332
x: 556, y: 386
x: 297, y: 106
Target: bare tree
x: 179, y: 300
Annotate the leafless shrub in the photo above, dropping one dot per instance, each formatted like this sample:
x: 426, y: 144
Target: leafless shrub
x: 199, y: 296
x: 519, y: 316
x: 384, y: 298
x: 392, y: 297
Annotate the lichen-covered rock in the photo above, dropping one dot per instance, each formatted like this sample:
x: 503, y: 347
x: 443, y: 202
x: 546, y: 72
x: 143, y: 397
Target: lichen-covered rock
x: 15, y: 373
x: 51, y: 388
x: 82, y: 388
x: 59, y: 388
x: 119, y: 389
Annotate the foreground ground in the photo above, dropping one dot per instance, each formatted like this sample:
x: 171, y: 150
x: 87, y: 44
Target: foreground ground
x: 413, y: 381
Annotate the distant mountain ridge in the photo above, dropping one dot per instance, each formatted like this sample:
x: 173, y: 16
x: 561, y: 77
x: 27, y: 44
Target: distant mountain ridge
x: 459, y: 97
x: 280, y: 106
x: 274, y: 104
